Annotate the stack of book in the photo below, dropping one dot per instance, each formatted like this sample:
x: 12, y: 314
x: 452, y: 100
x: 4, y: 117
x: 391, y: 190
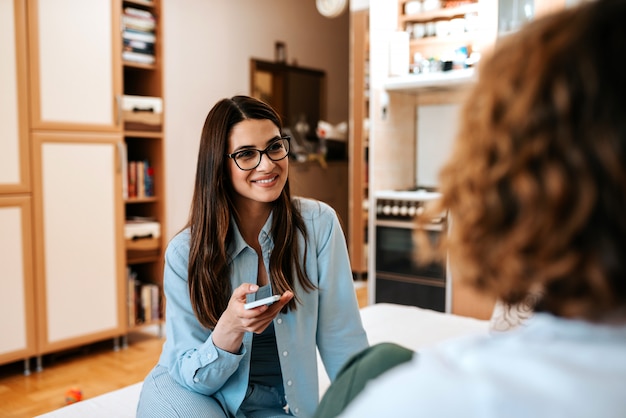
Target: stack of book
x: 138, y: 34
x: 144, y: 301
x: 139, y: 180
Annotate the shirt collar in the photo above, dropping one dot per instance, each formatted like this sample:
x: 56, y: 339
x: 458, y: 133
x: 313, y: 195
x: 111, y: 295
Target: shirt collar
x: 238, y: 244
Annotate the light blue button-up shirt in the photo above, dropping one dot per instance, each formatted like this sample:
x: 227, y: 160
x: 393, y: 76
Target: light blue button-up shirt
x: 328, y: 318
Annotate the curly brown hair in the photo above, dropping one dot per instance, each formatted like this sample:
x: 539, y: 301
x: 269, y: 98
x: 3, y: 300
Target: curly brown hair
x: 536, y: 184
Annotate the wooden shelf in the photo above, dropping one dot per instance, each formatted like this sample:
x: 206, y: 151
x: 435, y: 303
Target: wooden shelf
x: 443, y: 13
x: 438, y: 80
x: 441, y: 41
x: 131, y: 64
x: 146, y: 80
x: 143, y: 134
x: 150, y: 199
x: 145, y: 3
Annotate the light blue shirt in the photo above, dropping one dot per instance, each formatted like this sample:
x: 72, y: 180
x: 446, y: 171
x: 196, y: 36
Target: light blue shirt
x: 552, y: 367
x: 328, y: 317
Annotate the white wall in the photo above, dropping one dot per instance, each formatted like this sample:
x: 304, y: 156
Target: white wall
x: 436, y: 131
x: 208, y: 45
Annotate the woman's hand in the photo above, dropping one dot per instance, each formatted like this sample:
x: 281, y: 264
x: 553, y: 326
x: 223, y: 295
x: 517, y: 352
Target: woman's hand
x: 236, y: 320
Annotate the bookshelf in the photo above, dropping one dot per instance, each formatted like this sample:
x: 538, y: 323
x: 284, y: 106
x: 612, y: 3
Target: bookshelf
x: 144, y: 192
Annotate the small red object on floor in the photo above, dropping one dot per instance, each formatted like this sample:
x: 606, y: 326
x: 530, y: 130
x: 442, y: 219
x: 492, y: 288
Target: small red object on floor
x: 73, y: 395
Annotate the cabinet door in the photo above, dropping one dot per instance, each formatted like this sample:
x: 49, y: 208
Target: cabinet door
x: 78, y: 221
x: 75, y: 64
x: 16, y: 280
x: 14, y: 170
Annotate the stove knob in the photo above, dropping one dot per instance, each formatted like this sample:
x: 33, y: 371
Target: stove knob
x: 404, y: 209
x: 395, y: 209
x: 411, y: 210
x: 387, y: 209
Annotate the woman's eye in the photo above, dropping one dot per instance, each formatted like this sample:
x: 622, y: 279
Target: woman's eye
x: 246, y: 155
x: 276, y: 146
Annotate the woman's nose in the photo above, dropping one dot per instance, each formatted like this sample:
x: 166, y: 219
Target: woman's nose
x: 265, y: 162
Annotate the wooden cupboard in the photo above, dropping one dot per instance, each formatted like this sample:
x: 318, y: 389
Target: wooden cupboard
x: 75, y: 71
x: 63, y: 150
x: 17, y: 296
x: 75, y: 81
x: 17, y: 299
x: 358, y: 141
x: 14, y: 145
x: 79, y: 247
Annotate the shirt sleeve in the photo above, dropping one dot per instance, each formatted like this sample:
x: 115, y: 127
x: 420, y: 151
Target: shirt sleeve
x: 189, y: 353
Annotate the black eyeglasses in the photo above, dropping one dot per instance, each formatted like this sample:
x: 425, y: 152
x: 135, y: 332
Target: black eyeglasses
x: 249, y: 159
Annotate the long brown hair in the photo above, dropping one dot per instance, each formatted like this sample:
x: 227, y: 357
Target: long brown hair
x: 537, y: 181
x: 210, y: 218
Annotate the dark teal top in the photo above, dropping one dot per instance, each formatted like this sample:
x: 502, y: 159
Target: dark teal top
x: 264, y: 363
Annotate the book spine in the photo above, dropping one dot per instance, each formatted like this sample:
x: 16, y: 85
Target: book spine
x: 132, y: 179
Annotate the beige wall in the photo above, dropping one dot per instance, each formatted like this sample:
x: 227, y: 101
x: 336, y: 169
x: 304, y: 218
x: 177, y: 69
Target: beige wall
x: 208, y: 44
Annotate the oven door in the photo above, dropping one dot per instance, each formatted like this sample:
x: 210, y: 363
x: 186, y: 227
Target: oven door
x: 399, y: 278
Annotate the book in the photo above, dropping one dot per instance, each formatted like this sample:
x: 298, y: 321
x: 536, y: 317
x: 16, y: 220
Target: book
x: 138, y: 57
x: 138, y: 23
x: 139, y: 13
x: 132, y: 179
x: 141, y: 185
x: 140, y: 47
x: 138, y: 35
x: 149, y: 180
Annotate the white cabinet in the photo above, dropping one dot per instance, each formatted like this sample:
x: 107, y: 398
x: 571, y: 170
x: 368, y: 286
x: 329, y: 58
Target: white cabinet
x: 17, y: 298
x: 74, y: 56
x: 14, y: 167
x: 17, y: 301
x: 75, y: 66
x: 79, y: 247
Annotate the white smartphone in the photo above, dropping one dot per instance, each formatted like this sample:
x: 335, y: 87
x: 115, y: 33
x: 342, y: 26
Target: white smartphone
x: 263, y: 296
x: 265, y: 301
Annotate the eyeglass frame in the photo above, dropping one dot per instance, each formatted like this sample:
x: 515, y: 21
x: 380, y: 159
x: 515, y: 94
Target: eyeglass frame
x: 285, y: 138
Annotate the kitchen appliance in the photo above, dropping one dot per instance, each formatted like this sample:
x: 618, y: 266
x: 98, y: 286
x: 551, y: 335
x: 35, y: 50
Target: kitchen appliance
x: 398, y: 277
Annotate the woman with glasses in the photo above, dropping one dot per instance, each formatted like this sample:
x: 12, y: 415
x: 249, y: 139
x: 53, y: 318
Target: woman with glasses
x: 247, y: 235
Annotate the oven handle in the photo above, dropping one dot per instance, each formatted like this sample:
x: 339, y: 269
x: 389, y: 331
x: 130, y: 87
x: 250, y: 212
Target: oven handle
x: 408, y: 225
x: 426, y: 281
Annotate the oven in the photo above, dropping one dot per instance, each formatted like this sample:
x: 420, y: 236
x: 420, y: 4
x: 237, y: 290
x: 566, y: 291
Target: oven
x: 399, y: 278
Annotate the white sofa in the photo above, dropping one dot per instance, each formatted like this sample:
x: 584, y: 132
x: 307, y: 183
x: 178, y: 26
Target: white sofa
x: 411, y: 327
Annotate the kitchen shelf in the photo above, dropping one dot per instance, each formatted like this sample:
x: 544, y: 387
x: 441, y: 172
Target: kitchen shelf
x: 436, y: 80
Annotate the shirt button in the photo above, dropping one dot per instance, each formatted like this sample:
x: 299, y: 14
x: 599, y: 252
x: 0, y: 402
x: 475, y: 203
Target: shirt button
x: 289, y: 383
x: 196, y: 380
x: 279, y: 321
x: 285, y: 353
x: 296, y: 410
